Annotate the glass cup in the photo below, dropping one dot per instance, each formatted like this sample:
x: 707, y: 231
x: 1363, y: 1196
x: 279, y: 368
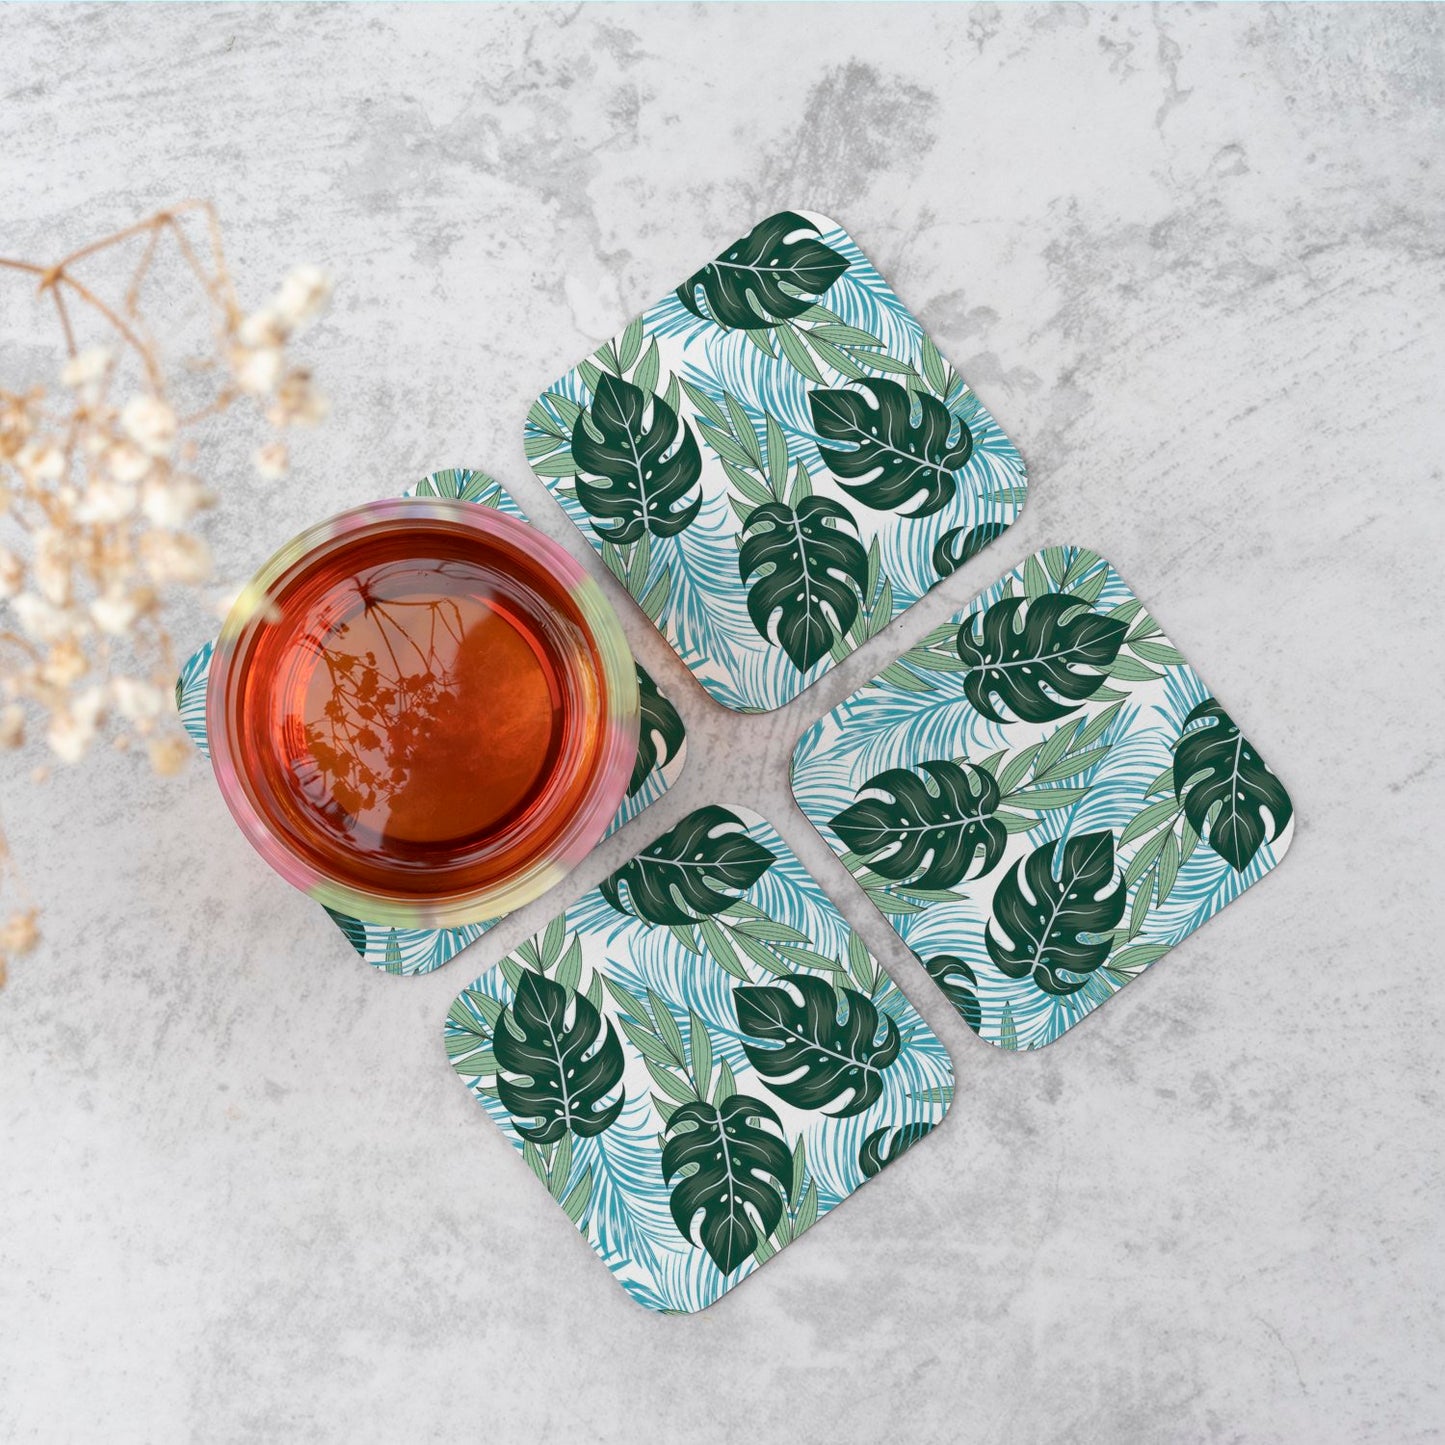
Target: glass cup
x: 423, y: 713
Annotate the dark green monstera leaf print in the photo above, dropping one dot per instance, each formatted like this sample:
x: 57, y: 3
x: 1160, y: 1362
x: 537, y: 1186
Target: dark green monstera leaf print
x: 818, y: 1059
x: 696, y: 869
x: 562, y: 1071
x: 1044, y: 920
x: 810, y: 573
x: 885, y: 458
x: 660, y: 734
x: 1216, y: 768
x: 957, y: 546
x: 928, y: 837
x: 959, y: 985
x: 879, y: 1149
x: 1041, y: 665
x: 772, y: 274
x: 732, y: 1170
x: 643, y: 476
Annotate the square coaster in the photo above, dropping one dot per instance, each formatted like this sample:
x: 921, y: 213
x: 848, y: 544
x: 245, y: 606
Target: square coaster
x: 775, y: 460
x: 661, y: 747
x: 699, y: 1059
x: 1043, y: 797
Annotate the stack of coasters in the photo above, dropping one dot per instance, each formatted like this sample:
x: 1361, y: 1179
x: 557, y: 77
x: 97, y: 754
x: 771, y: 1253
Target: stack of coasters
x: 1043, y: 797
x: 775, y: 460
x: 699, y: 1059
x: 661, y: 748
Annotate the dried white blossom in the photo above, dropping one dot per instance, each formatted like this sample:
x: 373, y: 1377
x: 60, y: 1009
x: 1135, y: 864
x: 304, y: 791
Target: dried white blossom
x: 19, y: 935
x: 40, y: 462
x: 105, y: 501
x: 127, y: 462
x: 42, y: 620
x: 73, y: 729
x: 15, y: 425
x: 64, y: 665
x: 115, y: 613
x: 257, y: 371
x: 12, y: 574
x: 168, y: 754
x: 297, y: 403
x: 263, y: 328
x: 12, y: 725
x: 135, y: 700
x: 52, y: 566
x: 272, y: 461
x: 87, y: 370
x: 150, y: 424
x: 175, y: 557
x: 173, y: 501
x: 303, y: 294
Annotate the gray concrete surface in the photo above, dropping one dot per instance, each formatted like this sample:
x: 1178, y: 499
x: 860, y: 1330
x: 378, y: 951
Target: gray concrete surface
x: 1191, y: 259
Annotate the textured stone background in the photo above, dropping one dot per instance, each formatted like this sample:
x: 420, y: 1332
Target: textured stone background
x: 1191, y: 258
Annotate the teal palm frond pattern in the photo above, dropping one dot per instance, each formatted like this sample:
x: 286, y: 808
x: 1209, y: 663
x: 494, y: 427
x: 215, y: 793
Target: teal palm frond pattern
x: 1043, y: 798
x: 661, y: 752
x: 775, y: 460
x: 695, y: 1094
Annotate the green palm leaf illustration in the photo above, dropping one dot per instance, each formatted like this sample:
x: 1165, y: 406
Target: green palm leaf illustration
x: 694, y: 870
x: 733, y: 1171
x: 1041, y: 666
x: 818, y: 1059
x: 660, y: 734
x: 886, y: 458
x: 773, y: 274
x: 810, y: 573
x: 642, y: 477
x: 1216, y: 769
x: 875, y: 1154
x: 931, y: 837
x: 562, y: 1072
x: 1044, y: 920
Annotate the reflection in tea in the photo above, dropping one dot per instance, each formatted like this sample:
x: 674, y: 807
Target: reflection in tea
x: 423, y: 712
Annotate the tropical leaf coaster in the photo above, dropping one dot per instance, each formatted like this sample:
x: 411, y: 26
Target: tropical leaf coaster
x: 1043, y: 797
x: 699, y: 1059
x: 660, y: 752
x: 775, y: 461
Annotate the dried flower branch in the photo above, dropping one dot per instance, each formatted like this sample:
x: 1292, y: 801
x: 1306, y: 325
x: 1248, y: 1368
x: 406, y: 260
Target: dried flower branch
x: 99, y: 487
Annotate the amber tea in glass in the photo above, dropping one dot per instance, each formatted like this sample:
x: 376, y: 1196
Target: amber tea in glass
x: 426, y: 710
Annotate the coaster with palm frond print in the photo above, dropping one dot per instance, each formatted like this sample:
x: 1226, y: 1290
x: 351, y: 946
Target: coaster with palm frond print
x: 660, y: 750
x: 699, y: 1059
x: 1043, y: 797
x: 775, y: 460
